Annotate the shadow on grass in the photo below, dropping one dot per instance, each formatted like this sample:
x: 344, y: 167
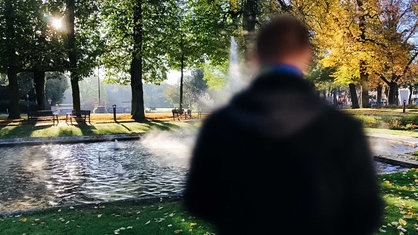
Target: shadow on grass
x: 162, y: 125
x: 25, y: 129
x: 86, y: 129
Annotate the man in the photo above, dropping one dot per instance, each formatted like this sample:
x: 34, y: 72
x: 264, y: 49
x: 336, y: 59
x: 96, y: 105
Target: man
x: 277, y: 159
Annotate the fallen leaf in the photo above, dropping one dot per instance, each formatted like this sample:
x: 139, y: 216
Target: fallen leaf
x: 178, y: 231
x: 402, y: 222
x: 99, y: 215
x: 193, y: 224
x: 24, y: 220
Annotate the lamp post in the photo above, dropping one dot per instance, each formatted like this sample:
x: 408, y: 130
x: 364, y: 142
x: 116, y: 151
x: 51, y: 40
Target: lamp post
x: 98, y: 84
x: 27, y: 103
x: 114, y: 112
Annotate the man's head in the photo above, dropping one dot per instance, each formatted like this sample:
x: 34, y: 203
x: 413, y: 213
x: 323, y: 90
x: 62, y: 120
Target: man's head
x: 284, y: 39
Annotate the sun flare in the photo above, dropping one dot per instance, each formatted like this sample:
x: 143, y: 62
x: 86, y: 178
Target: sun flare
x: 57, y: 23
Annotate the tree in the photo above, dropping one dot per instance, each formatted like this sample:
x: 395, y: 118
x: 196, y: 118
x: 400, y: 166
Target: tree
x: 9, y: 46
x: 200, y: 33
x: 56, y: 84
x: 83, y: 43
x: 195, y: 86
x: 396, y: 51
x: 347, y: 41
x: 135, y: 52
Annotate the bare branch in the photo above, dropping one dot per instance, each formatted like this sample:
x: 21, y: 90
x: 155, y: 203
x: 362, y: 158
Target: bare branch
x: 381, y: 76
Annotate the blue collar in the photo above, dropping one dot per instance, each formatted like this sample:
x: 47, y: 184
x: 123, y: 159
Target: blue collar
x: 283, y: 68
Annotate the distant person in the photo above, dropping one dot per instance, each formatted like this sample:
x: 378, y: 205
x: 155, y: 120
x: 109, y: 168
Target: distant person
x: 277, y: 159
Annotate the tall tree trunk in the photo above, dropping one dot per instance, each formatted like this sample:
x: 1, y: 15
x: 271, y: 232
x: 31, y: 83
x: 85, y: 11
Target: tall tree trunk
x: 334, y: 97
x: 393, y: 93
x: 137, y: 105
x: 72, y: 56
x: 39, y: 82
x: 364, y: 76
x: 365, y: 102
x: 14, y: 109
x: 14, y: 112
x: 353, y: 94
x: 411, y: 88
x: 181, y: 80
x: 249, y: 20
x: 379, y: 96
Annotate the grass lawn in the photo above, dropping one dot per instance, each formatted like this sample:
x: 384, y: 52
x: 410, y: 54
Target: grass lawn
x: 116, y: 218
x: 101, y: 124
x: 399, y: 192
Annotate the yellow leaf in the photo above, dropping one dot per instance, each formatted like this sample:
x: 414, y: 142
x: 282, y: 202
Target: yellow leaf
x: 402, y: 222
x: 193, y: 224
x: 178, y: 231
x: 24, y: 220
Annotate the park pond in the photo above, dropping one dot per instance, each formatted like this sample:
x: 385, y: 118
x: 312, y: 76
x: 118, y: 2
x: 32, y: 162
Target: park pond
x: 64, y: 174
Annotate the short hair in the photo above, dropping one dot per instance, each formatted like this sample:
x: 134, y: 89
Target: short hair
x: 281, y: 36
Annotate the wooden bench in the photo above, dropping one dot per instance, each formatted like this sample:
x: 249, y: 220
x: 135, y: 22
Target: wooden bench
x: 84, y: 115
x: 178, y: 112
x: 43, y: 114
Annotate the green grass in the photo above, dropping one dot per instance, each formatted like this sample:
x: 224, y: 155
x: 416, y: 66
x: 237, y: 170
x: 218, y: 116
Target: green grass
x: 400, y: 194
x: 116, y: 218
x: 22, y: 129
x: 399, y: 191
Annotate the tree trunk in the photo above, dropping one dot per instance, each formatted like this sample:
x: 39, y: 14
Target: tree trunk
x: 39, y: 82
x: 137, y: 105
x: 364, y: 76
x: 393, y: 93
x: 249, y: 21
x: 72, y: 56
x: 364, y: 80
x: 353, y: 94
x: 181, y: 81
x: 379, y: 96
x: 410, y: 94
x: 14, y: 112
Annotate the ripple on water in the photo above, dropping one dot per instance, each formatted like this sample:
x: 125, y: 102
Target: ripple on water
x: 51, y: 175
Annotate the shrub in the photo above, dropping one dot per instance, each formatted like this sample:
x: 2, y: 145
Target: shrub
x: 368, y: 121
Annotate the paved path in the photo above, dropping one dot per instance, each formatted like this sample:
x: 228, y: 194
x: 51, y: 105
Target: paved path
x: 394, y: 149
x: 406, y: 140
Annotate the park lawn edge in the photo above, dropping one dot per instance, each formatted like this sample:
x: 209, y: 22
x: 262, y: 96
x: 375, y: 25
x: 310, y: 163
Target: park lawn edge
x: 167, y: 215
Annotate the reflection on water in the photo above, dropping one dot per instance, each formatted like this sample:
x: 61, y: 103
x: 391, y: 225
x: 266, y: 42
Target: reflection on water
x: 54, y: 175
x: 50, y: 175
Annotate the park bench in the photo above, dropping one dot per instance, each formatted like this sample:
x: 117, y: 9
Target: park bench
x: 178, y: 112
x: 42, y: 115
x: 84, y: 115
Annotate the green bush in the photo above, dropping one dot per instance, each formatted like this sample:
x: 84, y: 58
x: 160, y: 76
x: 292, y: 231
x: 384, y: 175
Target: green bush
x: 403, y: 123
x: 368, y: 121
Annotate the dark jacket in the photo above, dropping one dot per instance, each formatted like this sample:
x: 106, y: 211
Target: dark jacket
x: 279, y: 160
